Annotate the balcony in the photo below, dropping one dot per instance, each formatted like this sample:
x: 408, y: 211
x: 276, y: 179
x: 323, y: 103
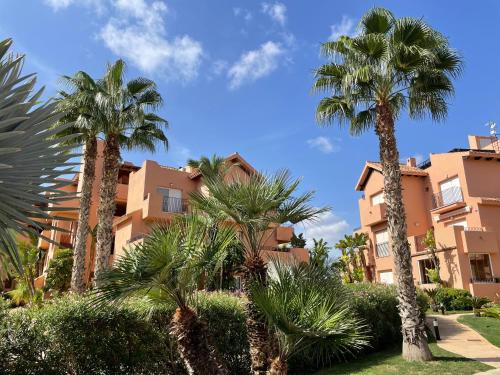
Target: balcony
x: 487, y: 280
x: 155, y: 206
x: 284, y: 234
x: 416, y: 245
x: 447, y: 200
x: 376, y: 214
x: 121, y: 192
x: 383, y: 250
x: 479, y: 240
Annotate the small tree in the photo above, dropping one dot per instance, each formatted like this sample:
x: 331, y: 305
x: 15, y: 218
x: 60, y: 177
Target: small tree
x: 59, y: 272
x: 429, y: 242
x: 318, y: 256
x: 298, y: 241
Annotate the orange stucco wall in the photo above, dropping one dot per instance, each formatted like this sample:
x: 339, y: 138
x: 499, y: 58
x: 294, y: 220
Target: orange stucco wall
x: 143, y: 202
x: 479, y: 175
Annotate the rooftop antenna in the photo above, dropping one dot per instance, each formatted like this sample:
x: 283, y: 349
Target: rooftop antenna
x: 493, y: 128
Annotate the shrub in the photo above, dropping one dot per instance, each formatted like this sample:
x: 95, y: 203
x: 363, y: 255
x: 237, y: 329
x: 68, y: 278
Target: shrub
x: 68, y: 335
x: 59, y: 271
x: 377, y: 305
x: 454, y: 299
x: 491, y: 312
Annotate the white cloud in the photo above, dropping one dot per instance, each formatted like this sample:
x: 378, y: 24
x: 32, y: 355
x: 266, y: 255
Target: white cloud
x: 324, y: 144
x: 345, y: 27
x: 244, y: 13
x: 139, y: 36
x: 277, y: 11
x: 329, y: 226
x: 255, y: 64
x: 97, y: 5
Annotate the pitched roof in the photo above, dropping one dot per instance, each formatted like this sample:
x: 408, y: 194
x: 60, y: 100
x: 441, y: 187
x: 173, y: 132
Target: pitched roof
x: 236, y: 159
x: 371, y: 166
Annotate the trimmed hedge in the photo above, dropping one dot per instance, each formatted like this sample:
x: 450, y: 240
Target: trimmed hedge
x: 454, y: 299
x: 69, y: 336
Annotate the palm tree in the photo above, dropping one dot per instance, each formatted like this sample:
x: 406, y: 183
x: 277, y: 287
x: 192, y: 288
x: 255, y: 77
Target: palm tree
x: 210, y: 167
x: 31, y: 160
x: 129, y: 121
x: 256, y: 205
x: 306, y: 306
x: 165, y: 269
x: 80, y: 108
x: 318, y: 256
x: 390, y: 65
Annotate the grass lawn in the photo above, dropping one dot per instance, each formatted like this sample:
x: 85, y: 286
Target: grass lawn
x: 390, y: 362
x: 489, y: 328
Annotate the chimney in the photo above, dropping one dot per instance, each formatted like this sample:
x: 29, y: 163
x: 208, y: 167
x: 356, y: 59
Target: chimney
x: 411, y: 162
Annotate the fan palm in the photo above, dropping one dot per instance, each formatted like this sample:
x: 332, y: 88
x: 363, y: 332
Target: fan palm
x: 307, y: 307
x: 352, y: 247
x: 256, y: 205
x: 210, y: 167
x: 80, y: 108
x: 166, y: 268
x: 31, y: 160
x: 390, y: 65
x: 129, y: 121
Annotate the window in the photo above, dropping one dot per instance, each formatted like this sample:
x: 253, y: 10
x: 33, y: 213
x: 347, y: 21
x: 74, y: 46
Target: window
x: 450, y: 191
x: 386, y: 277
x: 378, y: 198
x: 424, y: 265
x: 382, y: 243
x: 172, y: 200
x: 480, y: 267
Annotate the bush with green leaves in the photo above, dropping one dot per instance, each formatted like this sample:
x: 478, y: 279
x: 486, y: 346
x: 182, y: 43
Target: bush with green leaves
x: 69, y: 336
x: 454, y: 299
x: 59, y: 272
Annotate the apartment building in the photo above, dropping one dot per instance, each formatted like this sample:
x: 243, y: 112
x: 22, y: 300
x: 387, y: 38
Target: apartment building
x: 457, y: 193
x: 147, y: 194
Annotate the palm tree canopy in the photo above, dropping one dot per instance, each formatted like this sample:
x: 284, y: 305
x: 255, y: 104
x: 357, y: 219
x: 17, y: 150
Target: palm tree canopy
x: 210, y: 167
x: 31, y: 159
x: 129, y: 109
x: 168, y: 264
x: 80, y: 108
x: 399, y: 63
x: 308, y: 306
x: 257, y: 202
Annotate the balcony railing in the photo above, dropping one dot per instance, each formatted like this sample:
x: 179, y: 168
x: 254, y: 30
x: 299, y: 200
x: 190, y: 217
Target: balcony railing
x: 383, y: 249
x: 174, y: 205
x: 447, y: 197
x: 484, y: 280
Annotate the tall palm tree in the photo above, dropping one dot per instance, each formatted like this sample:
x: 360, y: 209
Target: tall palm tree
x: 166, y: 269
x: 390, y: 65
x: 256, y: 205
x: 80, y: 108
x: 130, y: 122
x: 306, y: 306
x: 31, y: 160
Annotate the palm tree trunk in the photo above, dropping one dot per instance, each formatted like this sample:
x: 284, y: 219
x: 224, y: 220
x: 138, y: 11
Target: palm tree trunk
x: 368, y: 276
x: 107, y: 205
x: 193, y: 343
x: 78, y: 271
x: 415, y: 347
x: 259, y: 338
x: 278, y: 367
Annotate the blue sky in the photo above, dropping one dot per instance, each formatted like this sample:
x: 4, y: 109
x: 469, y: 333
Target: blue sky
x: 236, y: 76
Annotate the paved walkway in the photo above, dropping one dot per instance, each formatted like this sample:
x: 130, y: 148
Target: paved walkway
x: 460, y: 339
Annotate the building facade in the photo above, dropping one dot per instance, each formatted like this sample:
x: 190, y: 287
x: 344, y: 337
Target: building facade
x: 145, y: 195
x: 457, y: 194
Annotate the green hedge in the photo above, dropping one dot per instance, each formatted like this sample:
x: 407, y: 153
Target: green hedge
x: 69, y: 336
x: 454, y: 299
